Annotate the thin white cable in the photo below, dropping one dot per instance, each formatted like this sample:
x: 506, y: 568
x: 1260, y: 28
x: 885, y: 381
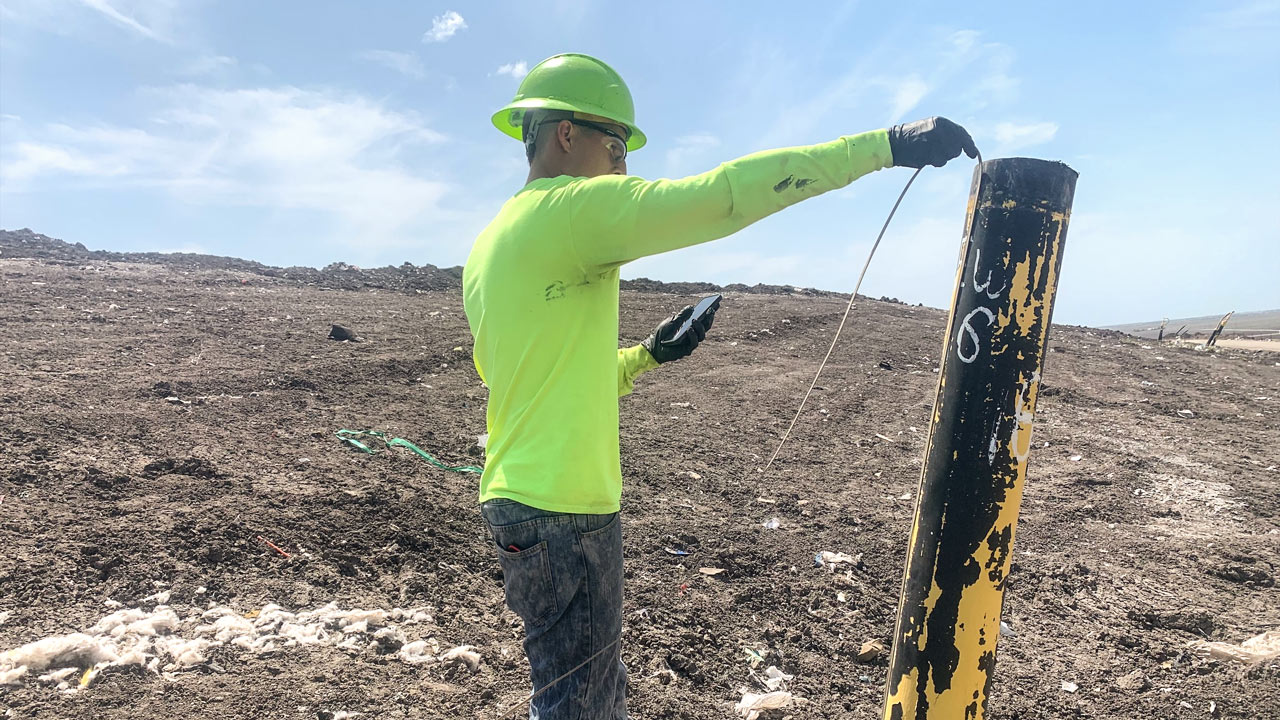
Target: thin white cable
x: 835, y: 339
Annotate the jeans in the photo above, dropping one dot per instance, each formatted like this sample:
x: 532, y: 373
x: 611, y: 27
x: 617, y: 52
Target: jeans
x: 562, y: 574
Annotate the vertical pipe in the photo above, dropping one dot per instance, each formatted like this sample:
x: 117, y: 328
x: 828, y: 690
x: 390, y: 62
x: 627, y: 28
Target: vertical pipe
x: 944, y: 646
x: 1213, y: 337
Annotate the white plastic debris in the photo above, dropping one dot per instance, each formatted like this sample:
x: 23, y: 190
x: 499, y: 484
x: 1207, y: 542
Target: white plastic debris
x: 1076, y: 458
x: 829, y: 559
x: 775, y: 679
x: 1257, y: 649
x: 771, y: 524
x: 58, y: 676
x: 76, y: 649
x: 752, y: 704
x: 1186, y: 413
x: 1069, y: 686
x: 1006, y: 631
x: 464, y: 654
x: 11, y: 677
x: 156, y: 640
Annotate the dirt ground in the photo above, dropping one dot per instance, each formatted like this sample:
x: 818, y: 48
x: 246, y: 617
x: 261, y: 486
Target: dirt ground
x: 1151, y: 517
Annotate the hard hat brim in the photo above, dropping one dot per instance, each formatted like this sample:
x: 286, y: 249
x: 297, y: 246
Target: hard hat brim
x: 510, y: 119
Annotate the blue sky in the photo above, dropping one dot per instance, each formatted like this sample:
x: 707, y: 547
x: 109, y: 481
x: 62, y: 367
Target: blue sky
x: 313, y: 132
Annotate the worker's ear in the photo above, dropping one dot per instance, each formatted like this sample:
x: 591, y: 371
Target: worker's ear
x: 564, y: 130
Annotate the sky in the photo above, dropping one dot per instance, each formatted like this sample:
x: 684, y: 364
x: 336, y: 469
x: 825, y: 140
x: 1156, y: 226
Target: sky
x: 305, y: 133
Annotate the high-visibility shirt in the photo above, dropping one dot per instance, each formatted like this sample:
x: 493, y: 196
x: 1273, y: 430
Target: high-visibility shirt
x: 540, y: 289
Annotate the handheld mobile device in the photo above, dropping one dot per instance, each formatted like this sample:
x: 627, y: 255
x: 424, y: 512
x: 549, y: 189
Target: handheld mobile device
x: 705, y: 305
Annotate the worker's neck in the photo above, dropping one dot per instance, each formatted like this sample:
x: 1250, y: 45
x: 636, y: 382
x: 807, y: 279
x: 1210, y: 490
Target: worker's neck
x: 541, y: 169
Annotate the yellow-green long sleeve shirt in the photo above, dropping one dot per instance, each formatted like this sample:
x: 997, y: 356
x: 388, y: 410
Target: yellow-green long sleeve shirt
x: 540, y: 289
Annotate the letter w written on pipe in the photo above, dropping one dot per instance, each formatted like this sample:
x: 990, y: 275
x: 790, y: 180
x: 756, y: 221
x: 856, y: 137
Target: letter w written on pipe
x: 977, y: 260
x: 966, y: 327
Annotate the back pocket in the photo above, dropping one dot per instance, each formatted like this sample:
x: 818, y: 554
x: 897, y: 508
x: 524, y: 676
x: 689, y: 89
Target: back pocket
x: 527, y: 582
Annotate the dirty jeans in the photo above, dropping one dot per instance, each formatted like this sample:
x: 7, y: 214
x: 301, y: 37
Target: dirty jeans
x: 562, y: 574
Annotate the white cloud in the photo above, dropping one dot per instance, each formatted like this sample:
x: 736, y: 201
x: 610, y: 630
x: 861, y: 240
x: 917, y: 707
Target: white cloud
x: 407, y: 64
x: 689, y: 148
x: 208, y: 65
x: 1013, y: 136
x: 986, y: 67
x: 516, y: 70
x: 158, y: 20
x: 120, y: 18
x: 282, y: 148
x: 1245, y: 30
x: 444, y: 27
x: 907, y: 94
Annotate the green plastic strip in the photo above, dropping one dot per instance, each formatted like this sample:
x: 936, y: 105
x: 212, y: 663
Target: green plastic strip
x: 349, y: 437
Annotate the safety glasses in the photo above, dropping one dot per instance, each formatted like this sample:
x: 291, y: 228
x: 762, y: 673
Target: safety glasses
x: 618, y: 149
x: 616, y: 144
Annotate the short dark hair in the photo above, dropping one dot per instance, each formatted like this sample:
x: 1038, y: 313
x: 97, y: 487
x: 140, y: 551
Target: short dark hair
x: 533, y: 119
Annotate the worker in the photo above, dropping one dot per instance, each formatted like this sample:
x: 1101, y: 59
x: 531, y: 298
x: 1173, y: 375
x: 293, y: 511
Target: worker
x: 540, y: 289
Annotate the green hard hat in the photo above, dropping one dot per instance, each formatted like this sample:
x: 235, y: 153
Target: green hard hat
x: 576, y: 83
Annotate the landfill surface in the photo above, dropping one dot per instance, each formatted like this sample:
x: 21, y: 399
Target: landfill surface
x: 169, y: 437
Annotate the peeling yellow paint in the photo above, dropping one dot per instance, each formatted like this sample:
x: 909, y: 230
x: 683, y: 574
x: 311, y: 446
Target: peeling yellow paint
x: 1024, y: 315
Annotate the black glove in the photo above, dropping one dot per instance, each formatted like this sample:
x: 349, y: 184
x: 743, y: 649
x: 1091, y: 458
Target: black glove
x: 665, y: 352
x: 929, y: 142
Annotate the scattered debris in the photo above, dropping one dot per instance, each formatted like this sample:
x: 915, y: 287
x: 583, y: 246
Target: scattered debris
x: 775, y: 679
x: 158, y: 642
x: 1186, y: 413
x: 273, y: 546
x: 770, y: 524
x: 1006, y: 630
x: 1259, y: 648
x: 752, y: 704
x: 674, y: 551
x: 4, y: 616
x: 342, y: 334
x: 1076, y: 458
x: 829, y: 559
x: 464, y: 654
x: 1134, y: 682
x: 870, y: 650
x: 336, y: 715
x: 710, y: 570
x: 1069, y: 686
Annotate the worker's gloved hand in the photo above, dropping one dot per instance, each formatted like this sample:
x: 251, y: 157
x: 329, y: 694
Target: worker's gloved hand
x: 929, y: 142
x: 665, y: 352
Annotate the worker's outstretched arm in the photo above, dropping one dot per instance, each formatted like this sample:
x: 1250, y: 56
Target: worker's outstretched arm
x: 619, y: 218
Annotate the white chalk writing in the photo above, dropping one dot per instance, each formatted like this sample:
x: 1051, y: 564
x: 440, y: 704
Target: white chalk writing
x: 966, y: 327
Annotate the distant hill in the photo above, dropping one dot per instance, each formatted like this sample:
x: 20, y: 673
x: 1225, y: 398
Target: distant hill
x: 25, y: 243
x: 1259, y: 325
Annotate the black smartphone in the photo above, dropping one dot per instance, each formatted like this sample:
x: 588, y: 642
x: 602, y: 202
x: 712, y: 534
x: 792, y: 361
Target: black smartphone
x: 705, y: 305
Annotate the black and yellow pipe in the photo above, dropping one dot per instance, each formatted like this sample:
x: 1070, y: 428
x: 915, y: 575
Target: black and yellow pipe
x: 944, y: 646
